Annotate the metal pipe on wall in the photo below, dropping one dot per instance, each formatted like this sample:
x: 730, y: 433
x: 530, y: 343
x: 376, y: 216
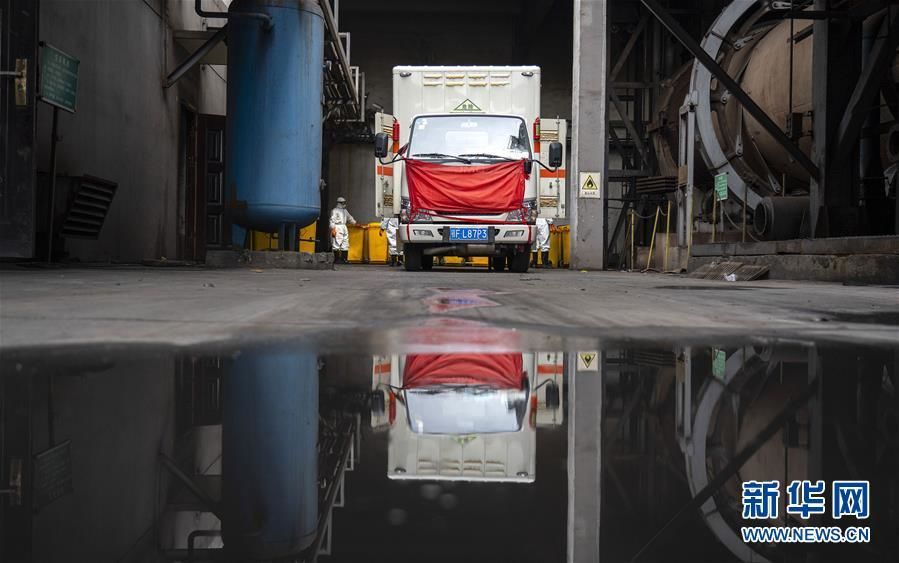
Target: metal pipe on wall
x: 198, y: 8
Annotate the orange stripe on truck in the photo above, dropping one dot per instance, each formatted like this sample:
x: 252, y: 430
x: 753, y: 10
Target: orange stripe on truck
x: 549, y: 369
x: 385, y: 170
x: 560, y: 173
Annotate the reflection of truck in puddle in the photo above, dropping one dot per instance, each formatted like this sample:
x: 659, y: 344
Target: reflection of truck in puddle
x: 465, y: 417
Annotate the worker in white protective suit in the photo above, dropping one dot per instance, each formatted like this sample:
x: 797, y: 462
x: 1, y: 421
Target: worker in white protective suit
x: 389, y: 226
x: 544, y: 227
x: 340, y: 235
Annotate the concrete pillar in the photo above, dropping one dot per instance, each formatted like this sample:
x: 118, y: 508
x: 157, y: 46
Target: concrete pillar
x: 589, y: 137
x: 584, y: 459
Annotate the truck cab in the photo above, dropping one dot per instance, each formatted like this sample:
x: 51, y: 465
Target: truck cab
x: 462, y: 165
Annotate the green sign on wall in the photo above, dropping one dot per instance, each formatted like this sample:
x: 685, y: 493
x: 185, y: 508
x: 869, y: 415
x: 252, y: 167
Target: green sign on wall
x: 59, y: 78
x: 719, y: 363
x: 721, y: 187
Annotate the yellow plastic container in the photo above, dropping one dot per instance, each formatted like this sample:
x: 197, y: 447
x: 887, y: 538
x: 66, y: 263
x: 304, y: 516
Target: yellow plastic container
x: 307, y: 238
x: 263, y: 241
x: 356, y: 255
x: 555, y: 249
x: 269, y: 241
x: 453, y: 261
x: 565, y: 246
x: 377, y: 246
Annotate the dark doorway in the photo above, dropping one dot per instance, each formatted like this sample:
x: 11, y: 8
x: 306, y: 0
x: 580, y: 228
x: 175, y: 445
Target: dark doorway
x: 208, y: 225
x: 15, y: 466
x: 18, y: 46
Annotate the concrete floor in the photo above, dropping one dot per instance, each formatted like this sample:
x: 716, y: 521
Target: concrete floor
x: 40, y: 307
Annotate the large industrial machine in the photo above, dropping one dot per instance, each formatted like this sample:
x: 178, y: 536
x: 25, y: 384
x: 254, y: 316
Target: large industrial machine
x: 704, y: 132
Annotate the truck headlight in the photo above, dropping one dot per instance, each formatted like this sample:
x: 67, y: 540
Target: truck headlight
x: 516, y: 216
x: 422, y: 232
x: 514, y: 234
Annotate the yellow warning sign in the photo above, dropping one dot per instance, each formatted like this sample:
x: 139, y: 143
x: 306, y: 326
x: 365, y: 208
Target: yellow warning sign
x: 467, y: 106
x: 588, y: 361
x: 590, y: 185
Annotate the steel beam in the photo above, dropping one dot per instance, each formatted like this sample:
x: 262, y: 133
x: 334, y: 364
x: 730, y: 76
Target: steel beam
x: 732, y: 86
x: 628, y: 48
x: 835, y: 69
x: 191, y: 485
x: 196, y: 57
x: 882, y: 54
x: 629, y: 125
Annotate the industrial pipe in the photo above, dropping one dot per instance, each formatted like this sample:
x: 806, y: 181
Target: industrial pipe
x: 198, y: 7
x: 780, y: 218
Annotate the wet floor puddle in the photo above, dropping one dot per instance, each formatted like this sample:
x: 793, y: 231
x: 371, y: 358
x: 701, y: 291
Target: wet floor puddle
x: 458, y: 442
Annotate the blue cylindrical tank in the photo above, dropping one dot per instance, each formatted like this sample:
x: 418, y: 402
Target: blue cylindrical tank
x: 269, y: 454
x: 274, y: 130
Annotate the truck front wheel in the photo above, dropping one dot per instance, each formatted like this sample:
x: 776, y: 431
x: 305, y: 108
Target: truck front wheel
x: 519, y: 262
x: 413, y: 258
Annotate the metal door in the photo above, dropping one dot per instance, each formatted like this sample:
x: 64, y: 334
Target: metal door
x: 209, y: 224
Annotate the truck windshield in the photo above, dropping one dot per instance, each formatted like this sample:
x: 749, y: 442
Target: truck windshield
x: 475, y: 137
x: 465, y: 410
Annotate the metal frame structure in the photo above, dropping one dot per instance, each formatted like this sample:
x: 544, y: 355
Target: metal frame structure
x: 344, y: 99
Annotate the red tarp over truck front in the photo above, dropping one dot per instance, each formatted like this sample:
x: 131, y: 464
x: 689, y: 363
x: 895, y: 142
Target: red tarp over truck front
x: 501, y: 371
x: 442, y: 188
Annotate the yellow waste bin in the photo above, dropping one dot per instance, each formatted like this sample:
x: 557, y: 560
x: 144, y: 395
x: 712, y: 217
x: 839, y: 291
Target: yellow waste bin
x: 481, y: 261
x: 555, y: 249
x: 263, y: 241
x: 378, y: 248
x: 307, y: 238
x: 453, y: 261
x: 564, y: 245
x: 269, y: 241
x: 356, y: 255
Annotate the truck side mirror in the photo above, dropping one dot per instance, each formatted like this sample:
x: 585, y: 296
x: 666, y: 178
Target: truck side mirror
x: 382, y: 141
x: 555, y: 154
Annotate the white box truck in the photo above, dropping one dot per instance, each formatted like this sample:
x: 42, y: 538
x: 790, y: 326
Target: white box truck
x: 465, y: 417
x: 467, y: 164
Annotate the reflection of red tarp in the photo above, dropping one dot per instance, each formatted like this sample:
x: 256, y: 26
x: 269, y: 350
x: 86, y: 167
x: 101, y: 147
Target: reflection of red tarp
x: 492, y: 188
x: 503, y: 371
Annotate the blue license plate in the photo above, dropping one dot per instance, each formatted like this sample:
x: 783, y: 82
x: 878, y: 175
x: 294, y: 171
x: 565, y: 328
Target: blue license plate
x: 469, y: 234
